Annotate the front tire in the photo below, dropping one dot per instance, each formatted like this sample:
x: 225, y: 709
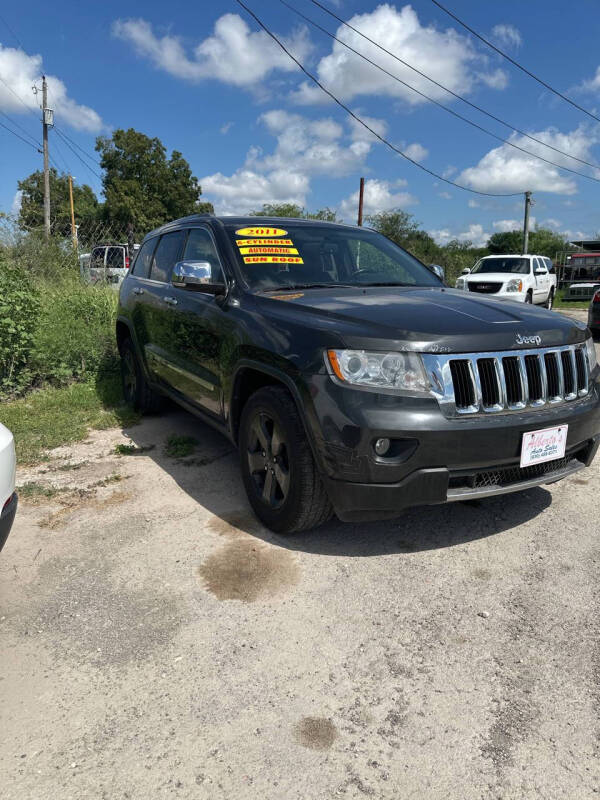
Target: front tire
x: 529, y: 298
x: 550, y: 301
x: 279, y: 472
x: 136, y: 391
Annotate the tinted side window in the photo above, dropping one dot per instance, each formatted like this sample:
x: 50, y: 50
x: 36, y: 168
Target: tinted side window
x: 141, y: 267
x: 540, y: 264
x: 549, y: 265
x: 165, y: 256
x: 201, y: 247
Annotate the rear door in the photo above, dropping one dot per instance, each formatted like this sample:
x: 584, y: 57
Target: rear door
x: 154, y: 308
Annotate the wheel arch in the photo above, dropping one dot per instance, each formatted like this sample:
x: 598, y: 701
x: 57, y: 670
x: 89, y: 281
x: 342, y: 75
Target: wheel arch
x: 250, y: 376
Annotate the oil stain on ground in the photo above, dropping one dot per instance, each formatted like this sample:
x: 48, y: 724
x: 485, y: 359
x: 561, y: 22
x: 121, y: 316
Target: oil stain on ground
x: 247, y: 570
x: 316, y: 733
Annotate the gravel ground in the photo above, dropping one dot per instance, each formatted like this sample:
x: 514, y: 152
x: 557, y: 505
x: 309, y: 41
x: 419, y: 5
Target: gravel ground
x: 157, y: 642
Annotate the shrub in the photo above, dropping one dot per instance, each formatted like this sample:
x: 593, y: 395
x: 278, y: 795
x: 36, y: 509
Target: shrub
x: 75, y: 334
x: 19, y: 305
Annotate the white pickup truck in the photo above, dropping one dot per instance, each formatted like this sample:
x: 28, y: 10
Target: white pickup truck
x: 525, y: 278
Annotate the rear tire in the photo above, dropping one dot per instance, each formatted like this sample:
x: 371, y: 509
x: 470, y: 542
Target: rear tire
x: 279, y: 472
x: 136, y: 391
x: 550, y: 301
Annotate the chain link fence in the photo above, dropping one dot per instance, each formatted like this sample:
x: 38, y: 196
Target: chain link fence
x: 101, y: 252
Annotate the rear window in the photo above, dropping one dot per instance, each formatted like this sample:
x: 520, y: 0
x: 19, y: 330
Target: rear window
x: 115, y: 257
x: 297, y: 256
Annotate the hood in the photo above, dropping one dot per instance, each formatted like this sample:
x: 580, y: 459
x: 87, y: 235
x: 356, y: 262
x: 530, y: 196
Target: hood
x: 424, y: 319
x: 495, y: 277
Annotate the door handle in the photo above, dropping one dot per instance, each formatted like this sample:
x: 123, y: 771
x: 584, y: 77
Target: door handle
x: 172, y: 301
x: 138, y: 290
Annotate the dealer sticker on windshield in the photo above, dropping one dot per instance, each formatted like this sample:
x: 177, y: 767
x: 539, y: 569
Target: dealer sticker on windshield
x: 545, y: 445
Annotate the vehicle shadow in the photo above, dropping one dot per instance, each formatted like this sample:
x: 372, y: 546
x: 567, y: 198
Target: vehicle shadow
x: 212, y: 478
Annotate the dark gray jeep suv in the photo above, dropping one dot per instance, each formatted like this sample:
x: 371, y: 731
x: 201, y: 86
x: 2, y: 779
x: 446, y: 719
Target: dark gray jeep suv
x: 350, y: 377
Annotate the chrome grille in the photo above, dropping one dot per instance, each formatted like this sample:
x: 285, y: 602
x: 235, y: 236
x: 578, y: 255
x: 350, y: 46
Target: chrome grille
x: 508, y: 381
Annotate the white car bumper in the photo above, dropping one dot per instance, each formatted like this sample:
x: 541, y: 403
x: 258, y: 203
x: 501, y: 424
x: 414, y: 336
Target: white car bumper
x: 8, y: 497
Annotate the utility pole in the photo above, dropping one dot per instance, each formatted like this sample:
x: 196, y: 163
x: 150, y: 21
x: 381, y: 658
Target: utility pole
x: 361, y: 194
x: 526, y: 223
x: 73, y: 228
x: 47, y: 122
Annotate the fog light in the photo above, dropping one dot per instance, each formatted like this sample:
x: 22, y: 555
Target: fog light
x: 382, y: 446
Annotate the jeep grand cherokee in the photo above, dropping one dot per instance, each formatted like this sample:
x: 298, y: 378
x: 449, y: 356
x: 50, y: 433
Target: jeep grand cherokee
x: 351, y: 379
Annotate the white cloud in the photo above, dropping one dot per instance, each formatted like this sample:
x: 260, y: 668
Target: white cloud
x: 552, y: 223
x: 379, y: 196
x: 446, y: 56
x: 505, y: 169
x: 233, y: 54
x: 21, y: 71
x: 474, y: 234
x: 445, y: 195
x: 592, y: 84
x: 416, y: 151
x: 246, y: 190
x: 304, y: 147
x: 224, y: 129
x: 16, y: 203
x: 507, y: 35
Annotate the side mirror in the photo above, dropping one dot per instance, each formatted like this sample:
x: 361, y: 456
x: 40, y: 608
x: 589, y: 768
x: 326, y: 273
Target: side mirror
x: 196, y: 276
x: 540, y: 272
x: 439, y: 271
x: 466, y: 271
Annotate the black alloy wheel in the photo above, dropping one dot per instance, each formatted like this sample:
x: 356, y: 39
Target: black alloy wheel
x: 268, y: 460
x: 281, y: 478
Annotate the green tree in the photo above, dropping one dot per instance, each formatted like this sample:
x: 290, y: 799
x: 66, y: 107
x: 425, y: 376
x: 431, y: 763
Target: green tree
x: 31, y: 214
x: 542, y: 241
x: 295, y: 211
x: 141, y: 185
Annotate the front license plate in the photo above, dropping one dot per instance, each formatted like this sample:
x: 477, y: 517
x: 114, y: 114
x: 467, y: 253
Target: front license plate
x: 545, y: 445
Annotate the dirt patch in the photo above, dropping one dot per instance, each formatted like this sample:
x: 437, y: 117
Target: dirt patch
x: 482, y: 574
x: 316, y: 733
x: 247, y: 570
x: 234, y: 525
x: 79, y: 500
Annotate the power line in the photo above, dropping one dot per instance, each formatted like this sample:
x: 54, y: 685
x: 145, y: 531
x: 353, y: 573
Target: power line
x: 10, y: 30
x: 86, y: 153
x: 18, y: 135
x: 76, y: 154
x: 450, y: 91
x: 516, y: 63
x: 21, y: 128
x: 436, y: 102
x: 19, y: 98
x: 62, y: 157
x: 361, y: 121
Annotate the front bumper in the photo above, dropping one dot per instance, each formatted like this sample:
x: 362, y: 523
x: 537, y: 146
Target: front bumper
x: 7, y: 518
x: 434, y: 459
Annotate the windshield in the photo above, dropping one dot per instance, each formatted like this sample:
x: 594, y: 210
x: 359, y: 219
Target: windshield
x: 301, y: 256
x: 520, y: 266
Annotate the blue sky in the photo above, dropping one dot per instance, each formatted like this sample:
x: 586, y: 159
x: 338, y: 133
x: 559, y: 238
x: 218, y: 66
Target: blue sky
x: 208, y: 84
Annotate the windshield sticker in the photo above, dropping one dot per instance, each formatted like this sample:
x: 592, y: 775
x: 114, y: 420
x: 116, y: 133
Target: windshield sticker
x: 273, y: 260
x: 274, y: 242
x: 274, y: 251
x: 262, y: 232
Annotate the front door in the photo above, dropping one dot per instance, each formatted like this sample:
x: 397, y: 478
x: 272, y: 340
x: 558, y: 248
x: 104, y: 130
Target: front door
x: 542, y: 282
x: 199, y: 327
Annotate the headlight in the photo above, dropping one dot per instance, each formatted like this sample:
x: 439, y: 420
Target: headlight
x: 591, y: 351
x: 460, y: 283
x: 401, y: 371
x: 515, y: 285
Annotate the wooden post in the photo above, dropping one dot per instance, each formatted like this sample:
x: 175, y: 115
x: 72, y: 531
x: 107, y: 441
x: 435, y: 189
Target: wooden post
x: 361, y: 195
